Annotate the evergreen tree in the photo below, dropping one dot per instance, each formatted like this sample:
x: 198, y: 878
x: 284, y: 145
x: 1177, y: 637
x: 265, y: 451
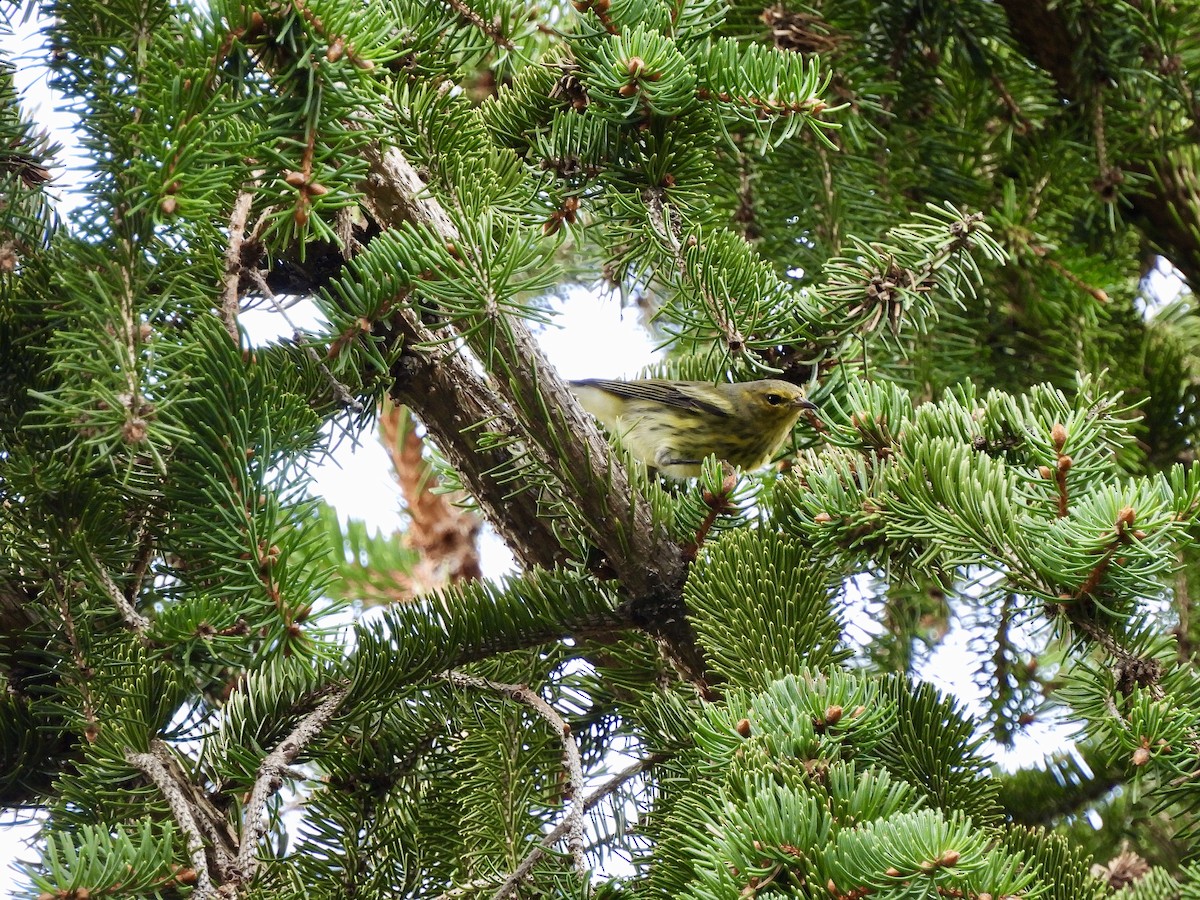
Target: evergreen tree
x: 939, y: 217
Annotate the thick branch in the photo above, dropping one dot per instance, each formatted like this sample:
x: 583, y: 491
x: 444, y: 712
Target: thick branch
x: 555, y: 429
x: 449, y: 396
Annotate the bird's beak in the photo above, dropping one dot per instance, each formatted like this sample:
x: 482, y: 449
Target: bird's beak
x: 801, y: 403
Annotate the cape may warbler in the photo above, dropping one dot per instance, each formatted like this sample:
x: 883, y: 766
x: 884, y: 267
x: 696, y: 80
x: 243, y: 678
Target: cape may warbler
x: 673, y: 425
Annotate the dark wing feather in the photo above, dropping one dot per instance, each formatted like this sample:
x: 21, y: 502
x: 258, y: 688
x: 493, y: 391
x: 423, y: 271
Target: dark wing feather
x: 667, y: 393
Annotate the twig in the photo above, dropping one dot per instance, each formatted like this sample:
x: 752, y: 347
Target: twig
x: 182, y: 812
x: 270, y: 778
x: 573, y: 820
x: 717, y: 505
x: 145, y: 554
x: 85, y: 671
x: 667, y: 225
x: 526, y: 865
x: 230, y: 295
x: 492, y: 30
x: 134, y: 619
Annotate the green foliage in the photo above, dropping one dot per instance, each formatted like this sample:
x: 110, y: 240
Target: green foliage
x: 133, y: 860
x: 890, y: 203
x: 775, y: 583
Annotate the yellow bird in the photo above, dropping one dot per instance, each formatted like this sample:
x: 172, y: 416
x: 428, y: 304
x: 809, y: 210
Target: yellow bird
x: 673, y: 425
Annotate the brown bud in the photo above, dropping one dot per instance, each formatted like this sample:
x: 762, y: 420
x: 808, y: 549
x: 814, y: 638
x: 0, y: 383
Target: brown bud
x: 1064, y: 464
x: 892, y: 872
x: 1058, y: 435
x: 295, y: 179
x: 627, y: 90
x: 1044, y: 471
x: 743, y: 727
x: 336, y: 50
x: 144, y: 332
x: 635, y: 66
x: 316, y: 190
x: 168, y: 205
x: 822, y: 518
x: 1125, y: 517
x: 1141, y: 756
x: 833, y: 715
x: 134, y: 431
x: 949, y: 858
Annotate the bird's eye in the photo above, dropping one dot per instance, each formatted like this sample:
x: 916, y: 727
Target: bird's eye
x: 774, y: 399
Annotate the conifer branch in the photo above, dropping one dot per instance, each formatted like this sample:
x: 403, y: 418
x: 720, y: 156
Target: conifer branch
x: 1165, y: 198
x: 133, y: 619
x: 181, y: 810
x: 572, y: 761
x: 491, y: 29
x: 552, y: 837
x: 270, y: 778
x: 521, y: 872
x: 92, y: 729
x: 234, y: 266
x: 666, y: 223
x: 565, y: 441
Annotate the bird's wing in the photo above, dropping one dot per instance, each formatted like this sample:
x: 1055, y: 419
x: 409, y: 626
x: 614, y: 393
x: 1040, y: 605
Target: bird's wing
x: 668, y: 393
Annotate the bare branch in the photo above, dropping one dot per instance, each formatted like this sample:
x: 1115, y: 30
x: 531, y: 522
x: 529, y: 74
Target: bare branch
x: 133, y: 619
x: 271, y: 772
x: 230, y: 294
x: 443, y: 532
x: 181, y: 811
